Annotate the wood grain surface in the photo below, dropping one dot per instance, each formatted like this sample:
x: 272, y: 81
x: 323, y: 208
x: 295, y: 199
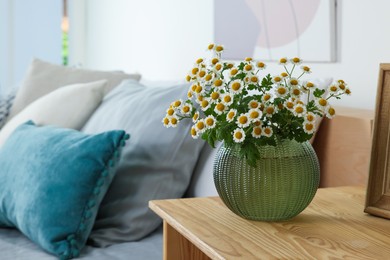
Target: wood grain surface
x: 334, y: 226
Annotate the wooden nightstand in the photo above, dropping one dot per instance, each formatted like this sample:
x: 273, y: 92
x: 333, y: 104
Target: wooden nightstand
x: 333, y: 226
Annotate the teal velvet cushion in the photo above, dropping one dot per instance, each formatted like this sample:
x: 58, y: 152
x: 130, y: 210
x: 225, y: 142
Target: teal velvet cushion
x: 53, y: 181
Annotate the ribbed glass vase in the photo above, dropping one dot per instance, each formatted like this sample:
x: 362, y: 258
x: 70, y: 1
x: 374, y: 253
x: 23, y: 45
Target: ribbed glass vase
x: 282, y: 184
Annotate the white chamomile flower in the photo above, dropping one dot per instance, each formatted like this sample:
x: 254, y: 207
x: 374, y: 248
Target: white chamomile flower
x: 289, y: 104
x: 218, y: 67
x: 219, y: 48
x: 306, y: 69
x: 330, y: 112
x: 173, y: 121
x: 253, y: 104
x: 281, y: 91
x: 200, y: 126
x: 266, y: 97
x: 227, y: 99
x: 267, y: 131
x: 310, y: 117
x: 218, y: 83
x: 254, y: 114
x: 220, y: 108
x: 333, y: 89
x: 238, y: 135
x: 231, y: 115
x: 277, y: 79
x: 177, y: 103
x: 166, y: 122
x: 205, y: 104
x: 261, y: 65
x: 208, y: 78
x: 233, y: 72
x: 296, y: 91
x: 201, y: 74
x: 269, y: 110
x: 186, y: 109
x: 322, y: 103
x: 215, y: 96
x: 248, y: 67
x: 254, y: 79
x: 257, y: 132
x: 293, y: 82
x: 210, y: 121
x: 308, y: 127
x: 283, y: 61
x: 194, y: 132
x: 309, y: 85
x: 195, y: 117
x: 299, y: 110
x: 236, y: 86
x: 296, y: 60
x: 243, y: 120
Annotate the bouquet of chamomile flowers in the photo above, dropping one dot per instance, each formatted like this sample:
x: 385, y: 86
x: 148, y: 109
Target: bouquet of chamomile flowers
x: 243, y: 106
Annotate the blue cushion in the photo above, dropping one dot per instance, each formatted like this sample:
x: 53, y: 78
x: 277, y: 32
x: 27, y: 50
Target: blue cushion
x: 52, y: 183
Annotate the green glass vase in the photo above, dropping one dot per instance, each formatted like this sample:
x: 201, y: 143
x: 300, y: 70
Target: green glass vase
x: 280, y: 186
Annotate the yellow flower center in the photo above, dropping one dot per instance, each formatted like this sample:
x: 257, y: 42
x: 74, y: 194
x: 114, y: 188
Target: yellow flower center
x: 200, y: 125
x: 204, y: 103
x: 289, y: 104
x: 227, y: 98
x: 284, y: 74
x: 194, y: 71
x: 341, y: 81
x: 309, y: 85
x: 342, y: 86
x: 193, y: 131
x: 238, y: 135
x: 231, y: 115
x: 233, y: 72
x: 166, y: 120
x: 267, y: 131
x: 218, y: 83
x: 198, y: 89
x: 215, y: 95
x: 260, y: 64
x: 254, y: 114
x: 309, y: 126
x: 218, y: 67
x: 177, y: 103
x: 236, y: 86
x: 193, y: 87
x: 210, y: 47
x: 282, y: 90
x: 220, y: 107
x: 322, y: 102
x: 280, y: 106
x: 348, y: 91
x: 306, y: 68
x: 294, y: 82
x: 277, y: 79
x: 189, y: 94
x: 248, y: 59
x: 202, y: 73
x: 186, y: 109
x: 195, y: 117
x: 331, y: 111
x: 254, y: 79
x: 283, y: 60
x: 214, y: 61
x: 170, y: 111
x: 296, y: 91
x: 254, y: 104
x: 266, y: 97
x: 269, y: 110
x: 209, y: 121
x: 310, y: 117
x: 296, y: 59
x: 188, y: 78
x: 333, y: 88
x: 173, y: 121
x: 200, y: 98
x: 248, y: 67
x: 219, y: 48
x: 257, y: 123
x: 299, y: 110
x: 198, y: 61
x: 208, y: 77
x: 257, y: 130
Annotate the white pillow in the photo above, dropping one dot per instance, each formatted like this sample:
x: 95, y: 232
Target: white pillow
x: 68, y: 107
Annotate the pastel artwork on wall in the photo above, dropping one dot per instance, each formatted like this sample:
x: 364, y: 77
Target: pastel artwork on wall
x: 269, y: 30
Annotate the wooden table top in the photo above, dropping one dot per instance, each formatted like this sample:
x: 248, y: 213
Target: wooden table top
x: 333, y: 226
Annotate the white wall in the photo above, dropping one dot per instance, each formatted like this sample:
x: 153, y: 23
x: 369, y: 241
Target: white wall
x: 27, y: 29
x: 161, y: 40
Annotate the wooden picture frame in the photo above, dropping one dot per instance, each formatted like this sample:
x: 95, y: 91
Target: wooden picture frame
x: 378, y: 189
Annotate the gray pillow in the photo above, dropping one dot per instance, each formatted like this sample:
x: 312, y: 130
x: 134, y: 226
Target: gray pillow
x: 156, y: 164
x: 44, y: 77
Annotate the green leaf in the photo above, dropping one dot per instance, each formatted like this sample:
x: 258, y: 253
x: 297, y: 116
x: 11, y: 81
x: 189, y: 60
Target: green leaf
x: 318, y: 92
